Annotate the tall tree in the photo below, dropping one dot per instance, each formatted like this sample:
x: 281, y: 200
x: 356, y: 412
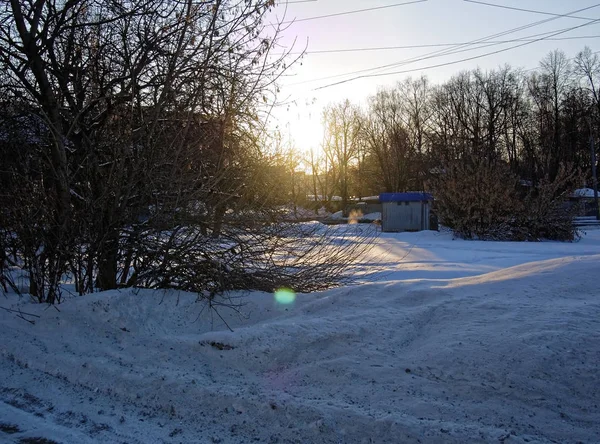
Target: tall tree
x: 342, y: 129
x: 388, y: 140
x: 549, y: 90
x: 147, y: 106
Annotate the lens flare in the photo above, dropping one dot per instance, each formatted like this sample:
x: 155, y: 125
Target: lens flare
x: 285, y: 296
x: 354, y: 216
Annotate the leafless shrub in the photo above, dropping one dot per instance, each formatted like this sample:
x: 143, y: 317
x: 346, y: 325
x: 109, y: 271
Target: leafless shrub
x: 149, y: 114
x: 480, y: 199
x: 301, y: 257
x: 545, y: 214
x: 477, y: 199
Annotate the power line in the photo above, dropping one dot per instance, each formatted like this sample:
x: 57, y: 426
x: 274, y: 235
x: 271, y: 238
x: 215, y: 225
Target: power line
x: 336, y: 14
x: 289, y: 101
x: 487, y: 38
x: 434, y: 45
x: 456, y: 49
x: 452, y: 62
x: 525, y: 10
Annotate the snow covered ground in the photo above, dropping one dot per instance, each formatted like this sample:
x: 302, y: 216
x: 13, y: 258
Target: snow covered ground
x: 443, y: 341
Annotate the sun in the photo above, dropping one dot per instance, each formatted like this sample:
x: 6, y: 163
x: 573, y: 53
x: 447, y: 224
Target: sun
x: 301, y: 124
x: 306, y: 133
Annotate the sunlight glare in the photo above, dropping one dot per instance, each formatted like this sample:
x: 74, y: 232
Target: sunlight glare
x: 285, y: 296
x: 305, y: 129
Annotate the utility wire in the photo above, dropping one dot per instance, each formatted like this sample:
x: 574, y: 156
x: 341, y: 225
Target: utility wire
x: 452, y: 62
x: 449, y: 51
x: 457, y: 49
x: 453, y: 50
x: 336, y: 14
x: 434, y: 45
x: 525, y: 10
x: 290, y: 101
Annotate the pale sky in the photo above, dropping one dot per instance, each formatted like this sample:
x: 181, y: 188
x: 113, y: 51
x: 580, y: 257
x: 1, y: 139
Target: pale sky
x: 430, y: 22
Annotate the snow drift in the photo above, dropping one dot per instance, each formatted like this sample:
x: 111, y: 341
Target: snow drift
x: 444, y: 341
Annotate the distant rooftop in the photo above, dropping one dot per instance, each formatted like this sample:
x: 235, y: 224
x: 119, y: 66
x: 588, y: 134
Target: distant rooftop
x: 412, y: 196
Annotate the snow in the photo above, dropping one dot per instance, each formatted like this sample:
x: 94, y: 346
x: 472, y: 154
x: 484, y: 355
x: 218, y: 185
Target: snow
x: 443, y: 340
x: 584, y: 192
x: 338, y: 215
x: 303, y: 213
x: 372, y: 216
x: 322, y: 198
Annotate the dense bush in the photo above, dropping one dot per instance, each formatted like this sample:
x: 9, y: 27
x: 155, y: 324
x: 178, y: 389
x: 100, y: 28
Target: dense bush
x: 545, y: 214
x: 124, y: 125
x: 481, y: 199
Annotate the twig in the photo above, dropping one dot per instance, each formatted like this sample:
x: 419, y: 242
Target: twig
x: 32, y: 322
x: 22, y: 315
x: 53, y: 306
x: 219, y: 315
x: 20, y: 312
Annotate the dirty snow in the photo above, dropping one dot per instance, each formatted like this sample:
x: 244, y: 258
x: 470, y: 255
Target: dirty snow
x: 444, y: 341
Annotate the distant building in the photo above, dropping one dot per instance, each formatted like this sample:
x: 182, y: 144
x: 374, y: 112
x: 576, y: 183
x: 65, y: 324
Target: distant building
x: 405, y: 211
x: 584, y: 199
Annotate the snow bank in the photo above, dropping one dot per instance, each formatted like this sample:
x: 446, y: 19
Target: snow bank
x: 303, y: 213
x: 444, y: 341
x: 584, y: 192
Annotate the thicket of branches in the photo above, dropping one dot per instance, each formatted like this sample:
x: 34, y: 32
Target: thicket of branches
x: 130, y: 145
x: 482, y: 199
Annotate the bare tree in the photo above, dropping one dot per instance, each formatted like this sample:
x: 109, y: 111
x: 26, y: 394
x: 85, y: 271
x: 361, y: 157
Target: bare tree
x: 147, y: 105
x: 342, y: 128
x: 147, y: 166
x: 587, y: 68
x: 548, y: 90
x: 387, y: 139
x: 417, y: 110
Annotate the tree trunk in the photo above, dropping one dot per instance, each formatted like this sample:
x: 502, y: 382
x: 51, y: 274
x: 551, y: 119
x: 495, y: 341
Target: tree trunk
x: 107, y: 262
